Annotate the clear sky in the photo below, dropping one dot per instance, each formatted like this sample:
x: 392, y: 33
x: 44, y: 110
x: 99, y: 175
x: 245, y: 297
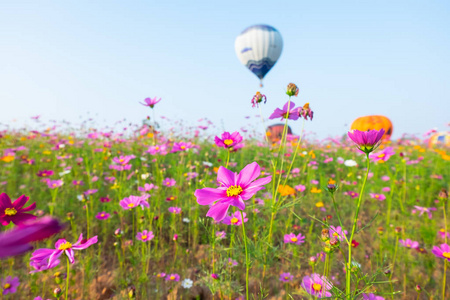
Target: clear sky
x: 65, y: 59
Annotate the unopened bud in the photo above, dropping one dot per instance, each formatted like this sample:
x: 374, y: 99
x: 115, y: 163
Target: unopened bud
x: 292, y: 90
x: 57, y: 292
x: 418, y: 288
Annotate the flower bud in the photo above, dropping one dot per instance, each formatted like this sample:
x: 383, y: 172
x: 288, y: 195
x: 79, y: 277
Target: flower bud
x: 57, y: 292
x: 443, y: 194
x: 418, y: 288
x: 118, y: 232
x: 312, y: 260
x: 292, y: 90
x: 214, y: 276
x: 325, y: 234
x: 398, y: 230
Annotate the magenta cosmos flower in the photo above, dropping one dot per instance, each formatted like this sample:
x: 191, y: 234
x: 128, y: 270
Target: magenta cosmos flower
x: 284, y: 113
x: 9, y: 285
x: 169, y: 182
x: 174, y: 210
x: 291, y: 238
x: 427, y: 210
x: 145, y: 236
x: 372, y: 297
x: 14, y: 211
x: 134, y: 201
x: 366, y: 141
x: 235, y: 219
x: 53, y: 184
x: 442, y: 251
x: 235, y: 189
x: 102, y: 215
x: 228, y: 140
x: 181, y: 146
x: 45, y: 173
x: 383, y: 155
x: 17, y: 241
x: 409, y: 243
x: 50, y: 257
x: 150, y: 102
x: 316, y: 285
x: 286, y: 277
x: 173, y: 277
x: 337, y: 233
x: 380, y: 197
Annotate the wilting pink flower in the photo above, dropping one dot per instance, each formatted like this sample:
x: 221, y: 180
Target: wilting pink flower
x: 409, y: 244
x: 284, y: 113
x: 286, y: 277
x: 175, y: 210
x: 372, y: 297
x: 258, y: 98
x: 235, y: 219
x: 17, y: 241
x: 9, y: 285
x: 443, y: 251
x: 150, y: 102
x: 317, y: 285
x: 15, y: 211
x: 102, y: 215
x: 173, y: 277
x: 234, y: 191
x: 134, y: 201
x: 382, y: 155
x: 305, y: 112
x: 145, y: 236
x: 294, y: 239
x: 366, y: 141
x: 427, y: 210
x: 338, y: 233
x: 53, y: 184
x: 228, y: 140
x: 49, y: 258
x: 380, y: 197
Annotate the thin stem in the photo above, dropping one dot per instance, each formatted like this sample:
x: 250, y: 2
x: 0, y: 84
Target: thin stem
x: 444, y: 280
x: 246, y: 255
x: 355, y: 220
x: 67, y: 278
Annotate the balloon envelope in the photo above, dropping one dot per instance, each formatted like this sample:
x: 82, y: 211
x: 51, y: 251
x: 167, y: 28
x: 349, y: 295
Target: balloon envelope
x: 375, y: 122
x: 439, y: 139
x: 258, y: 48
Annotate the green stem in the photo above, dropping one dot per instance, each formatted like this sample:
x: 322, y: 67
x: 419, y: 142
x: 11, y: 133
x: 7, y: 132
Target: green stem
x: 358, y: 207
x: 444, y: 279
x: 67, y: 279
x: 246, y: 255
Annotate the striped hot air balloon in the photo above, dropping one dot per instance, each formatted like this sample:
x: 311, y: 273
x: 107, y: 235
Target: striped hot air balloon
x: 275, y: 132
x: 439, y: 139
x: 258, y: 48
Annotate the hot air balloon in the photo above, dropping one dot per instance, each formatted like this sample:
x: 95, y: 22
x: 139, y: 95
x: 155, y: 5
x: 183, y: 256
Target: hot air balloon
x: 439, y: 139
x: 275, y: 132
x: 374, y: 123
x: 258, y: 48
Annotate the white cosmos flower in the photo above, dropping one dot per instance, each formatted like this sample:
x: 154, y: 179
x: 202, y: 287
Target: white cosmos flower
x: 350, y: 163
x: 187, y: 283
x: 186, y: 220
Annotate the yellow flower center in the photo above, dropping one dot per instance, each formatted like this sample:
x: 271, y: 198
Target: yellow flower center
x: 228, y: 142
x: 317, y: 287
x: 234, y: 190
x: 377, y: 196
x: 121, y: 160
x: 54, y: 185
x: 102, y: 215
x: 408, y: 245
x: 234, y: 220
x: 6, y: 286
x: 131, y: 205
x: 156, y: 148
x: 10, y: 211
x: 172, y: 277
x: 65, y: 246
x: 381, y: 155
x: 294, y: 239
x: 442, y: 230
x: 182, y: 147
x: 144, y: 237
x: 286, y: 277
x: 446, y: 254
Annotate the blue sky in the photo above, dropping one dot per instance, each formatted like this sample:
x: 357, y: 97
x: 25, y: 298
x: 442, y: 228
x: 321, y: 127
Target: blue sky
x: 72, y: 59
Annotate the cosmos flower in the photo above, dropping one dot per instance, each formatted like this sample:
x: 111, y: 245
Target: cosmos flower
x: 300, y: 187
x: 231, y: 262
x: 366, y: 141
x: 284, y: 113
x: 221, y: 235
x: 102, y: 215
x: 134, y: 201
x: 169, y: 182
x: 338, y: 233
x: 383, y: 155
x: 9, y: 285
x: 380, y: 197
x: 291, y: 238
x: 372, y: 297
x: 427, y: 210
x: 157, y: 149
x: 316, y: 285
x: 15, y: 211
x: 305, y: 112
x: 145, y: 236
x: 150, y: 102
x: 147, y: 187
x: 123, y: 160
x: 228, y: 140
x: 50, y: 257
x: 235, y: 189
x: 409, y: 243
x: 286, y: 277
x: 181, y: 146
x: 45, y: 173
x: 173, y: 277
x: 175, y: 210
x: 235, y: 219
x: 17, y: 241
x: 292, y: 90
x: 187, y: 283
x: 350, y: 163
x: 53, y: 184
x: 258, y: 98
x: 443, y: 251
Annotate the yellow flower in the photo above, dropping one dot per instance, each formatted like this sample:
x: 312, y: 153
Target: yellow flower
x: 315, y: 190
x: 8, y: 158
x: 285, y: 190
x: 331, y: 181
x: 319, y: 204
x: 47, y: 152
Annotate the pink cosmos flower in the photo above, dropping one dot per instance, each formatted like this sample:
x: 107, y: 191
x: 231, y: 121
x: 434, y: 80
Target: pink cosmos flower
x: 441, y: 233
x: 53, y: 184
x: 43, y: 259
x: 385, y: 178
x: 372, y: 297
x: 123, y: 159
x: 427, y: 210
x: 169, y: 182
x: 161, y: 275
x: 286, y: 277
x: 147, y: 187
x: 382, y: 155
x: 352, y: 194
x: 232, y: 262
x: 102, y: 215
x: 284, y: 113
x: 15, y: 211
x: 17, y: 241
x: 380, y: 197
x: 443, y: 251
x: 228, y: 140
x: 300, y: 187
x: 9, y: 285
x: 91, y: 192
x: 134, y: 201
x: 409, y: 243
x: 150, y: 102
x: 317, y: 285
x: 173, y: 277
x: 78, y: 182
x: 157, y: 149
x: 181, y: 146
x: 366, y: 141
x: 235, y: 219
x: 386, y: 189
x: 145, y: 236
x: 45, y: 173
x: 221, y: 235
x: 338, y: 233
x: 291, y: 238
x: 175, y: 210
x: 235, y: 189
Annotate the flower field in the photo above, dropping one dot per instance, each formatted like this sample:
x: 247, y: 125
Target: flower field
x: 147, y: 213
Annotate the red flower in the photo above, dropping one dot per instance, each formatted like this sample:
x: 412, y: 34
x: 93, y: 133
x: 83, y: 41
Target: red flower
x: 354, y: 244
x: 15, y: 212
